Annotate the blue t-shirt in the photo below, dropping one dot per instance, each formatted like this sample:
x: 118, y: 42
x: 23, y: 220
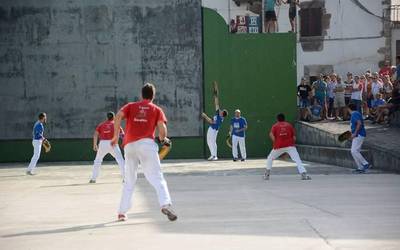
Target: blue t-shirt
x: 320, y: 88
x: 378, y: 102
x: 38, y: 130
x: 356, y: 116
x: 238, y: 123
x: 316, y: 110
x: 269, y: 5
x: 217, y: 120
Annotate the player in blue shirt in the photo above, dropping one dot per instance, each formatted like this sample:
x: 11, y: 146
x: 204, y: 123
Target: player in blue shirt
x: 237, y: 130
x: 215, y: 124
x: 358, y: 135
x: 37, y: 134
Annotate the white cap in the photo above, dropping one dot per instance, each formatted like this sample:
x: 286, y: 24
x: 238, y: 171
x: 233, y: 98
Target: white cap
x: 237, y: 110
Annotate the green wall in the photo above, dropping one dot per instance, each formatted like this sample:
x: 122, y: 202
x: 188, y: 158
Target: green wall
x: 255, y: 72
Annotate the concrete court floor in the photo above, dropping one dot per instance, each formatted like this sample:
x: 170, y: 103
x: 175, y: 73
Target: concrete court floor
x: 221, y: 205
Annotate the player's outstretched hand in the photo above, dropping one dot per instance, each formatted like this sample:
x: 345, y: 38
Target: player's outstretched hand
x: 114, y: 141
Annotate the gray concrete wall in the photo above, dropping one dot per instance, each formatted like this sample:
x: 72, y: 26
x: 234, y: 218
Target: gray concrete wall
x: 77, y: 59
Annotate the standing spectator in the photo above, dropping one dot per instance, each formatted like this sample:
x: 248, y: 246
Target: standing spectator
x: 331, y: 94
x: 386, y: 69
x: 356, y: 92
x: 339, y: 101
x: 376, y: 86
x: 393, y: 76
x: 37, y: 140
x: 303, y: 92
x: 270, y: 15
x: 348, y: 87
x: 320, y: 88
x: 387, y: 87
x: 237, y: 130
x: 398, y: 68
x: 293, y: 13
x: 367, y: 93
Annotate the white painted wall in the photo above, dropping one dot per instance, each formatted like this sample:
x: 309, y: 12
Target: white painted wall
x: 351, y: 43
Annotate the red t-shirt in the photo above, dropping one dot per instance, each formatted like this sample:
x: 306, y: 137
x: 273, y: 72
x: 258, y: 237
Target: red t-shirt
x: 141, y: 120
x: 106, y: 130
x: 283, y: 133
x: 385, y: 71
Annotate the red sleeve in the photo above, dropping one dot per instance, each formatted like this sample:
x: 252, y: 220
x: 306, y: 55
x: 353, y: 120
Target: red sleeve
x: 161, y: 116
x: 121, y: 131
x: 99, y: 127
x: 126, y: 110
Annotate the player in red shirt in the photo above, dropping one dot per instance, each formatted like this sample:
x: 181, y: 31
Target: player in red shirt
x: 283, y: 137
x: 142, y: 119
x: 105, y: 131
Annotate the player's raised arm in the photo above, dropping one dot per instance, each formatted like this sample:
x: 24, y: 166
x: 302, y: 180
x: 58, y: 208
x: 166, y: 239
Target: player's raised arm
x: 207, y: 118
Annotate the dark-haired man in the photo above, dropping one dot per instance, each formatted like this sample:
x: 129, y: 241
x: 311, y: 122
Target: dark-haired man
x: 212, y: 131
x: 283, y: 138
x: 142, y: 119
x: 358, y: 135
x: 37, y: 140
x: 105, y: 131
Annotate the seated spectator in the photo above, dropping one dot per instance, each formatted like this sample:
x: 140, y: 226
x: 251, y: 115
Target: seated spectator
x: 339, y: 102
x: 387, y: 87
x: 304, y: 94
x: 314, y: 112
x: 376, y: 103
x: 392, y: 106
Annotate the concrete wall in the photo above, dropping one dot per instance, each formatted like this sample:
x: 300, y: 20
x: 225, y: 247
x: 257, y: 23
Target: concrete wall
x: 77, y: 59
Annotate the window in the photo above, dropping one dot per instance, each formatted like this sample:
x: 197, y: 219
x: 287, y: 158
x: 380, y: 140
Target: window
x: 311, y: 22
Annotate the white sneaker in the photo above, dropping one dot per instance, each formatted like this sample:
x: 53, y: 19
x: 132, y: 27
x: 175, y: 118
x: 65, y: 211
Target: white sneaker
x: 214, y: 158
x: 210, y: 158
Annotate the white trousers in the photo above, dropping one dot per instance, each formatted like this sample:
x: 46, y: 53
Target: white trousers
x: 212, y: 141
x: 356, y: 145
x: 105, y: 148
x: 37, y: 148
x: 294, y: 155
x: 144, y: 151
x: 242, y: 145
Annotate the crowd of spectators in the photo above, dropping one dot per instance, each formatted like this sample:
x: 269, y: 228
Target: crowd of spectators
x: 376, y: 95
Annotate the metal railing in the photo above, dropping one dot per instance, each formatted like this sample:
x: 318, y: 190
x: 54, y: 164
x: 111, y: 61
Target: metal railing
x: 394, y: 13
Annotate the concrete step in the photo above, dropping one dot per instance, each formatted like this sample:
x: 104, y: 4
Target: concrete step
x: 309, y: 134
x: 330, y: 155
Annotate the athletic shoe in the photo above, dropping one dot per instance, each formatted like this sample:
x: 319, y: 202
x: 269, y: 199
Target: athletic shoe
x: 366, y: 166
x: 92, y: 181
x: 358, y: 171
x: 167, y: 210
x: 122, y: 217
x: 242, y: 159
x: 235, y: 159
x: 210, y: 158
x: 30, y: 173
x: 305, y: 177
x: 267, y: 174
x: 214, y: 158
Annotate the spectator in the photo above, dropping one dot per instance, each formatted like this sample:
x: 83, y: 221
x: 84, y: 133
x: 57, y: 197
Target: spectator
x: 331, y: 94
x: 356, y: 92
x: 397, y: 68
x: 348, y: 88
x: 314, y: 112
x: 387, y: 87
x: 339, y: 102
x: 233, y: 26
x: 270, y: 15
x: 367, y: 94
x: 320, y: 87
x: 386, y: 69
x: 303, y: 92
x: 376, y: 86
x: 392, y: 105
x: 376, y: 103
x: 292, y: 13
x: 393, y: 76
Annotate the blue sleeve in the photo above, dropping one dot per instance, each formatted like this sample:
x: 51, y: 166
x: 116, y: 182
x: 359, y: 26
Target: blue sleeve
x: 244, y: 122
